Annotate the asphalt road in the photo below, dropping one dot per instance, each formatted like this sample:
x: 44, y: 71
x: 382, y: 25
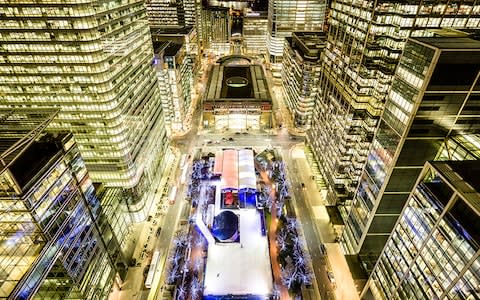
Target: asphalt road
x: 306, y: 218
x: 169, y: 225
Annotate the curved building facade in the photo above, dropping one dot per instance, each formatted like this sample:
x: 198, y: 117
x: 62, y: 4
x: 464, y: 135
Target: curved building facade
x: 93, y: 60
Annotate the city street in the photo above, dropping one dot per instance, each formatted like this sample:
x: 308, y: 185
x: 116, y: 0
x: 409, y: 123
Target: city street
x: 133, y: 287
x: 240, y: 150
x: 310, y: 209
x: 306, y: 201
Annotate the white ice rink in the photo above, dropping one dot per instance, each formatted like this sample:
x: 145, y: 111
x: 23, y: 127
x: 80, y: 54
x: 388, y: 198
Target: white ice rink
x: 240, y: 268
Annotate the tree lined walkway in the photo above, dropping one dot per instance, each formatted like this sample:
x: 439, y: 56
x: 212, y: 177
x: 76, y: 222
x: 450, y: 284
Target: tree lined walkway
x: 272, y: 239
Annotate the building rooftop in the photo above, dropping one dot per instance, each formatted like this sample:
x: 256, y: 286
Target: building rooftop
x: 215, y: 6
x: 35, y: 157
x: 176, y: 35
x: 172, y: 49
x: 466, y: 170
x: 171, y: 31
x: 245, y: 82
x: 160, y: 46
x: 19, y: 127
x: 463, y: 176
x: 168, y: 48
x: 456, y: 67
x: 309, y: 44
x: 448, y: 42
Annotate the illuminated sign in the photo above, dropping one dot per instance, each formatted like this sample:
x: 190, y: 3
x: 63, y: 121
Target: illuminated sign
x: 240, y: 105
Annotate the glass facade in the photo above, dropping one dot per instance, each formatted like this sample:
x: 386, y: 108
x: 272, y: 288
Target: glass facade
x: 55, y: 244
x: 432, y: 89
x: 216, y: 25
x: 255, y: 33
x: 433, y: 252
x: 285, y: 17
x: 364, y: 44
x: 175, y: 73
x: 301, y: 73
x: 93, y: 59
x: 165, y: 13
x: 113, y: 201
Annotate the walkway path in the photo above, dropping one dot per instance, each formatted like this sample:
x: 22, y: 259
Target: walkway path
x: 272, y: 238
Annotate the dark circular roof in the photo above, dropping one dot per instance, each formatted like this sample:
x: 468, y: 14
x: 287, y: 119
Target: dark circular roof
x: 225, y: 225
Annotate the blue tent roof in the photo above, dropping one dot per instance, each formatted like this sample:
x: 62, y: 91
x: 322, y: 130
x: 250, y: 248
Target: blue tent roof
x: 225, y: 225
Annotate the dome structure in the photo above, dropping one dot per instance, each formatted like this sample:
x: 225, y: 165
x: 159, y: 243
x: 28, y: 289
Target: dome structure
x: 225, y: 226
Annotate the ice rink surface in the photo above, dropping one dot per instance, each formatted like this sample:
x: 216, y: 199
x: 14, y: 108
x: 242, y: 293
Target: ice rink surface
x: 240, y: 268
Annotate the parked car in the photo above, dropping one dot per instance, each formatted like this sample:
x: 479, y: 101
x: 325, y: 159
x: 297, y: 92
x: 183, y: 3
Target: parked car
x: 145, y: 270
x: 159, y: 230
x: 230, y: 139
x: 331, y: 278
x: 323, y: 250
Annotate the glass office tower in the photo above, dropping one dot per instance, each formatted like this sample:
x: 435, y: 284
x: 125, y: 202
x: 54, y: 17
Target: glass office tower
x: 300, y: 74
x: 365, y: 41
x: 175, y: 74
x: 434, y: 249
x: 434, y: 95
x: 285, y: 17
x: 93, y: 59
x: 216, y: 30
x: 168, y: 14
x: 56, y: 243
x: 255, y: 32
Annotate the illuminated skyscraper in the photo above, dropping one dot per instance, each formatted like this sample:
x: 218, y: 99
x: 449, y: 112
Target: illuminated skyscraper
x: 170, y: 14
x: 255, y: 24
x: 285, y: 17
x: 187, y: 36
x: 434, y: 95
x: 301, y: 73
x: 93, y: 60
x: 365, y: 42
x: 433, y: 251
x: 216, y: 25
x: 174, y: 71
x: 56, y: 240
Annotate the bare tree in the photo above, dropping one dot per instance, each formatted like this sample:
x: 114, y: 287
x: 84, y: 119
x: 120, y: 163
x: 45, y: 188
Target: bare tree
x: 197, y: 265
x: 181, y: 292
x: 276, y: 292
x: 195, y: 288
x: 288, y: 275
x: 281, y: 241
x: 172, y: 275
